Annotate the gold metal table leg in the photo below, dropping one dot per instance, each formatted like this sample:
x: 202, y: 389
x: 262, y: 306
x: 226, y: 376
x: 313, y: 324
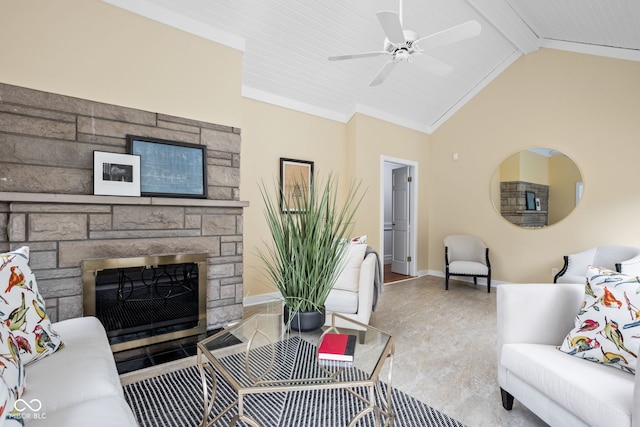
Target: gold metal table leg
x: 241, y: 416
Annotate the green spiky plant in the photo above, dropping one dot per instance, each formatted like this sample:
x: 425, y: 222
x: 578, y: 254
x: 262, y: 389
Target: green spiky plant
x: 304, y: 258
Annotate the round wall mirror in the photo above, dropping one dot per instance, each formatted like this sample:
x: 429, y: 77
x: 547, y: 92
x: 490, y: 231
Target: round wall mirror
x: 536, y: 188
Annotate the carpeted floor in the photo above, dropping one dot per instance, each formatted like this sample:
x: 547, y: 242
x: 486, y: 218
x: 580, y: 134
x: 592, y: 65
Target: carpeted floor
x: 175, y: 399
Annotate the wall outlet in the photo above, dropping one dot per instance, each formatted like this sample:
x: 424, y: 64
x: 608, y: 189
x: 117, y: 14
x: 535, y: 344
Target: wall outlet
x: 554, y: 271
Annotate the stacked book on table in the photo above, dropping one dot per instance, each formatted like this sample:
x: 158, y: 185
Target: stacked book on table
x: 337, y: 348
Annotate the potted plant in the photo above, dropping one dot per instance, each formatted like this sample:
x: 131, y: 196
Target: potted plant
x: 309, y: 238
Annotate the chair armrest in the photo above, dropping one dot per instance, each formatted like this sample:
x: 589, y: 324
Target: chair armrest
x: 563, y: 270
x: 536, y: 313
x: 630, y: 266
x: 577, y: 263
x: 366, y: 288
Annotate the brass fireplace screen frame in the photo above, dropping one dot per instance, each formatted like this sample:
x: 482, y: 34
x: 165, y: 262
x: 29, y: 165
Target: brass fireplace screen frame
x: 91, y: 268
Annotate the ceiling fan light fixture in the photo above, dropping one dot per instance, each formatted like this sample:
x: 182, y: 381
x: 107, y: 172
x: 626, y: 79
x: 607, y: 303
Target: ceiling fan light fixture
x: 404, y: 45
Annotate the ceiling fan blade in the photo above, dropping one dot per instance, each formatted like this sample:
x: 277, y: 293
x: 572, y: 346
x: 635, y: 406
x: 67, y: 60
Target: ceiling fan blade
x: 432, y: 65
x: 451, y: 35
x: 382, y: 74
x: 390, y: 22
x: 358, y: 55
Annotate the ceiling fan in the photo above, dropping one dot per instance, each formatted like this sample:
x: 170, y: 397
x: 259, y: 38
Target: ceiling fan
x: 406, y: 45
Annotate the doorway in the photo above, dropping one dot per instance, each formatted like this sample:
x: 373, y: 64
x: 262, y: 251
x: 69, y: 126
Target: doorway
x: 398, y: 213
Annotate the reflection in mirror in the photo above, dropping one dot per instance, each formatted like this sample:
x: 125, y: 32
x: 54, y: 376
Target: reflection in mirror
x: 536, y: 188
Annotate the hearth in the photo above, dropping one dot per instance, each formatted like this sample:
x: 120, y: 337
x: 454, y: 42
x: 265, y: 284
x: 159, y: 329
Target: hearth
x: 147, y: 300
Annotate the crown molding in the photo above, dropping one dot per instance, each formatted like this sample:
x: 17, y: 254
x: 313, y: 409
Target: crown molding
x: 292, y: 104
x: 181, y: 22
x: 590, y: 49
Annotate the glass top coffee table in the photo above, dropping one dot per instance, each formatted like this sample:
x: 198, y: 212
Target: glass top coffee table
x: 259, y: 355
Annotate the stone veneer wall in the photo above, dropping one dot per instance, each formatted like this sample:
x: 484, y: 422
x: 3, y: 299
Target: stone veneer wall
x: 46, y: 202
x: 513, y: 203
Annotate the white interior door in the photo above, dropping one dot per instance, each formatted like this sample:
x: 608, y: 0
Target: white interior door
x: 401, y: 221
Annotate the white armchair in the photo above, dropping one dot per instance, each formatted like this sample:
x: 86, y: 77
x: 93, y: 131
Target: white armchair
x: 563, y: 390
x: 354, y: 293
x: 466, y: 255
x: 624, y: 259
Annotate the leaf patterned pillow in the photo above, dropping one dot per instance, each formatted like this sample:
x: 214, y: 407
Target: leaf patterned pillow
x: 607, y: 328
x: 22, y: 308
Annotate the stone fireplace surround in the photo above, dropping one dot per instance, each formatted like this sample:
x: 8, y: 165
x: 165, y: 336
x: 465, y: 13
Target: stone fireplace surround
x: 46, y: 202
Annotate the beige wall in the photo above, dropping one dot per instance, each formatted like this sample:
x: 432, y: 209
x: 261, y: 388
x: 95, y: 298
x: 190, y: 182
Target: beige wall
x: 92, y: 50
x: 563, y: 176
x: 268, y: 133
x: 534, y: 168
x: 370, y: 140
x: 353, y: 151
x: 585, y: 106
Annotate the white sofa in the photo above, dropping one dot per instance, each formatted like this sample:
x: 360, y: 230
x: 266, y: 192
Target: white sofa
x: 533, y: 319
x: 353, y: 293
x: 624, y: 259
x: 78, y: 385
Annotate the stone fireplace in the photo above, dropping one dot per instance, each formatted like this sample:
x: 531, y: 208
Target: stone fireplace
x: 513, y: 203
x: 46, y: 202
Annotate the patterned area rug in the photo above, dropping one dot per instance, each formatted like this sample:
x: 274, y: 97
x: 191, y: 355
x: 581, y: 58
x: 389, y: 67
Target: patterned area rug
x: 175, y: 399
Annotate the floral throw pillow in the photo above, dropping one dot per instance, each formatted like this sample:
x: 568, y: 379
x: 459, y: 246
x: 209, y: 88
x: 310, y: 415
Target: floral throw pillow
x: 12, y: 382
x: 7, y: 406
x: 22, y: 308
x: 607, y: 328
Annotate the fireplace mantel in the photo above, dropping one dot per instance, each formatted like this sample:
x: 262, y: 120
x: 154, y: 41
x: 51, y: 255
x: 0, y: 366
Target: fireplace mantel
x: 11, y: 197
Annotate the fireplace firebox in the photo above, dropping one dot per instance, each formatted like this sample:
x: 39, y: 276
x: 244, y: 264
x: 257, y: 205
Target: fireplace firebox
x: 147, y: 300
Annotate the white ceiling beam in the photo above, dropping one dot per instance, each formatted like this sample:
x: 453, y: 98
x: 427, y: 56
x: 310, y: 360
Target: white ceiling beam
x: 476, y: 89
x: 508, y: 23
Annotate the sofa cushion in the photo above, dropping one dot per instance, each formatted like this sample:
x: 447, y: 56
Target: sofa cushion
x: 600, y: 396
x: 607, y: 327
x: 349, y: 278
x: 342, y: 301
x: 85, y: 367
x: 468, y: 267
x: 24, y: 309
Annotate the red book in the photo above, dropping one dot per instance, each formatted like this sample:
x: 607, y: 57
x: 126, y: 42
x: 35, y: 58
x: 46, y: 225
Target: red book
x: 337, y: 347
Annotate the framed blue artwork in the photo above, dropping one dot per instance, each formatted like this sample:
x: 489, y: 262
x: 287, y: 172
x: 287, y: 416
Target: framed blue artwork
x: 170, y: 168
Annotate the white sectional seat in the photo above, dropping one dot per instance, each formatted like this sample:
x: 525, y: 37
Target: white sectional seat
x: 354, y: 294
x: 78, y: 385
x: 53, y: 374
x: 562, y: 389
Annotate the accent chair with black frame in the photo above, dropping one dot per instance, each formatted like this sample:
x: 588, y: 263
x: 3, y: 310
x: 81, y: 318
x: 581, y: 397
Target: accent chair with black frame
x: 466, y: 255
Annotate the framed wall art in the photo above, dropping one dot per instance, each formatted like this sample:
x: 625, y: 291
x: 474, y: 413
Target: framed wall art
x: 295, y: 181
x: 116, y: 174
x: 530, y: 200
x: 170, y: 168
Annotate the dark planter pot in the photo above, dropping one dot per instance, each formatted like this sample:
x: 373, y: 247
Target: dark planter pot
x: 305, y: 321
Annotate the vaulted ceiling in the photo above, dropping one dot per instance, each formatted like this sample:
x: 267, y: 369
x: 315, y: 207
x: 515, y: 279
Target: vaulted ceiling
x: 286, y: 45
